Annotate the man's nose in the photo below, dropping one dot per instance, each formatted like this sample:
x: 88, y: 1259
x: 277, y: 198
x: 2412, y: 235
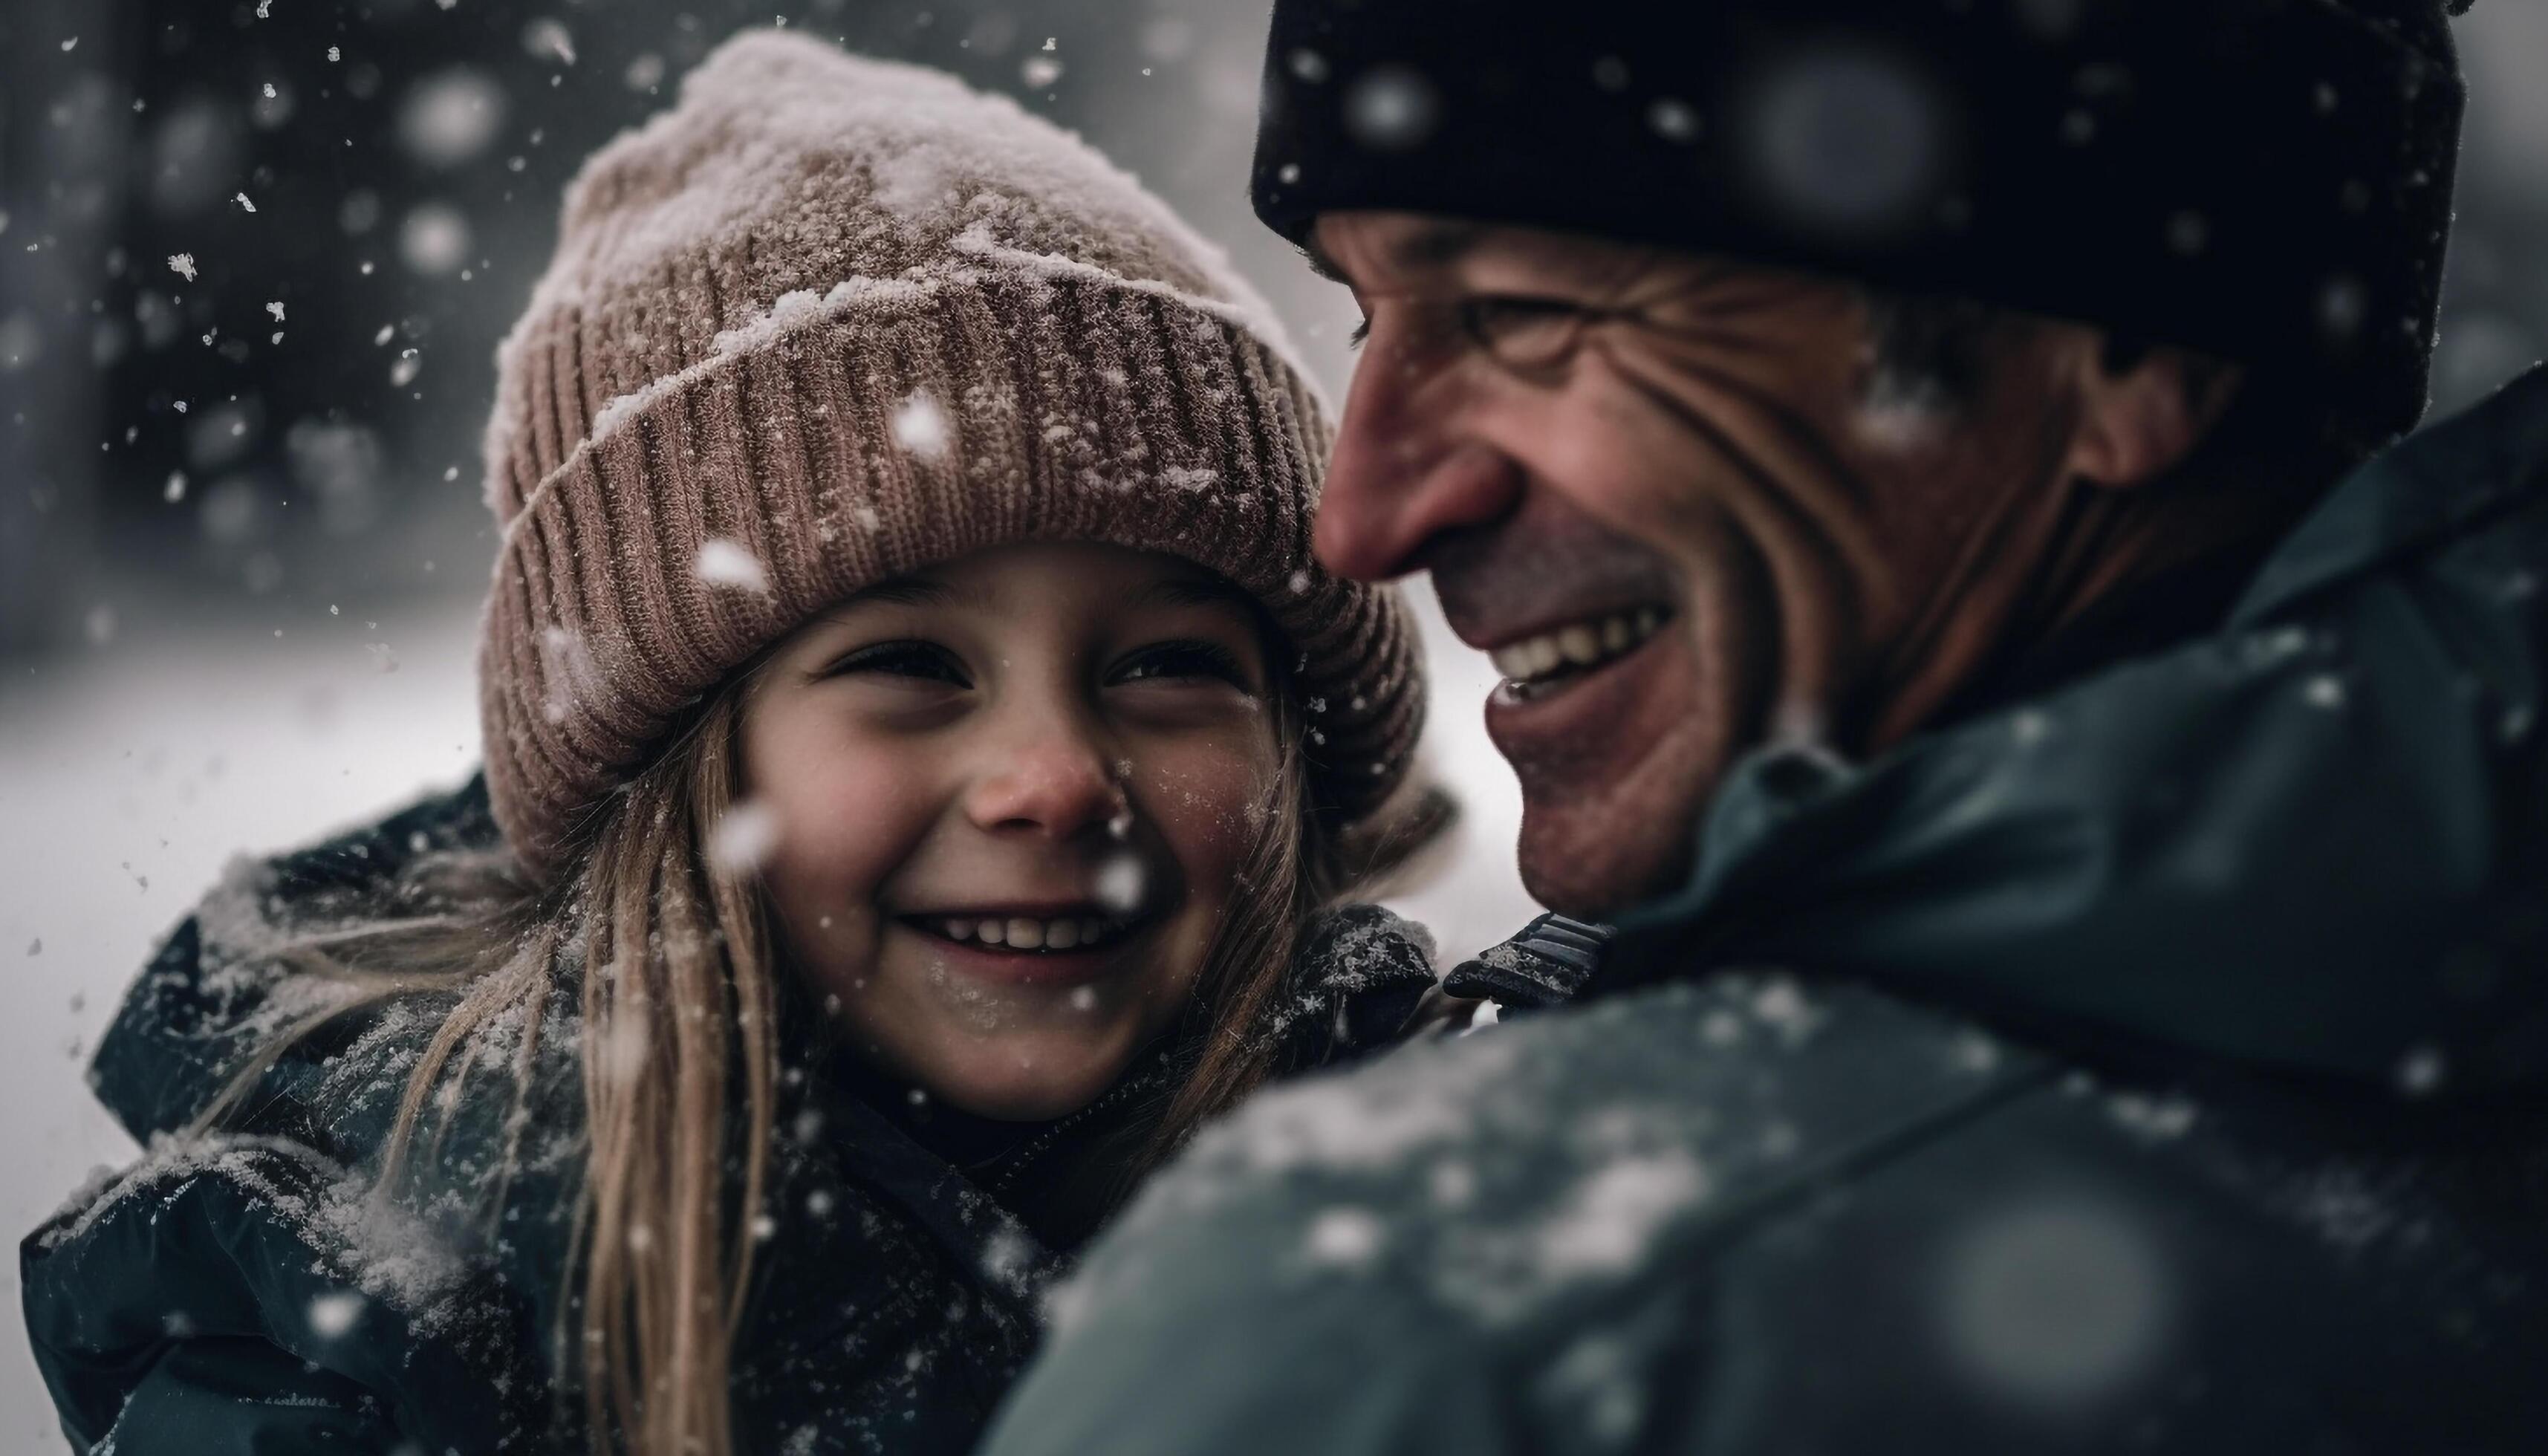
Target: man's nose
x: 1047, y: 778
x: 1405, y: 470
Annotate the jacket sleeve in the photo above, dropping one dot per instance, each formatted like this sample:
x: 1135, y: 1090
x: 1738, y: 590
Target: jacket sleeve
x: 228, y: 1294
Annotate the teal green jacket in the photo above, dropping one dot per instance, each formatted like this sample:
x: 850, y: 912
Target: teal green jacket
x: 2158, y: 1065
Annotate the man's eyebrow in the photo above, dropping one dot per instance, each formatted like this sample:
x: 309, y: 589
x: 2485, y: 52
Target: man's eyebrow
x: 1434, y: 244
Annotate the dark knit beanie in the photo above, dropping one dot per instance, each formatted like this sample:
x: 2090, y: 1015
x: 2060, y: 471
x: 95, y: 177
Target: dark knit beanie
x: 832, y: 320
x: 2267, y: 180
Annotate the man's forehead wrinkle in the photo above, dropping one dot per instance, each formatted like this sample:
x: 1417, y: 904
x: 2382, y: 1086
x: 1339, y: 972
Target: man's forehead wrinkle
x: 1397, y: 246
x: 1435, y: 244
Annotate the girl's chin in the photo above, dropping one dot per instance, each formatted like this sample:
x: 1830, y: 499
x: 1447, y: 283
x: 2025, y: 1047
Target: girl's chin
x: 1032, y: 1064
x: 1033, y: 1091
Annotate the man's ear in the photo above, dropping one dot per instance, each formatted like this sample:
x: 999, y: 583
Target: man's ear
x: 2136, y: 425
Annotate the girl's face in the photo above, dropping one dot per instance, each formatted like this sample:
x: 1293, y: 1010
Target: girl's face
x: 1011, y: 795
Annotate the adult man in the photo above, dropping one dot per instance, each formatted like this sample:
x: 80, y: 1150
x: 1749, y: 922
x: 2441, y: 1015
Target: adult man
x: 2103, y: 1003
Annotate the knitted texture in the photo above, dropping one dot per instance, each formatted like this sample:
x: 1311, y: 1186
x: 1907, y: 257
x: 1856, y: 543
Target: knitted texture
x: 831, y: 320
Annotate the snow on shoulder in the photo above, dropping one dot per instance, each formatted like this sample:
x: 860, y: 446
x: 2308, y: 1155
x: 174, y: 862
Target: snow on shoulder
x: 1489, y: 1175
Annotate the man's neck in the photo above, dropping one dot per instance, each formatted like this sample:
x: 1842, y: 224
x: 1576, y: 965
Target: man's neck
x: 2116, y: 575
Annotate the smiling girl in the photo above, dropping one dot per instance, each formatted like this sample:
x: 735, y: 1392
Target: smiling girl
x: 920, y: 753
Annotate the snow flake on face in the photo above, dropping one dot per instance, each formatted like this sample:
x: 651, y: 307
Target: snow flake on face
x: 1122, y: 883
x: 183, y: 265
x: 725, y: 562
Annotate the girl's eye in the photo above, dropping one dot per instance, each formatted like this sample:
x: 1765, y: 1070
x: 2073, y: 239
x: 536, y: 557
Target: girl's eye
x: 1174, y: 660
x: 1521, y: 332
x: 1361, y: 331
x: 925, y: 662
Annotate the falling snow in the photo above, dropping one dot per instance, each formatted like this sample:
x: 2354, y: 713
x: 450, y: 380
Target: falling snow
x: 724, y: 563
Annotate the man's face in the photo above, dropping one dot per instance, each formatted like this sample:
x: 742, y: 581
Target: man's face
x: 1654, y: 487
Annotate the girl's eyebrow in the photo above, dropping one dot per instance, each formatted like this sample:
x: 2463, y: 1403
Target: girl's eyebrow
x: 912, y: 590
x: 1195, y: 591
x: 906, y: 591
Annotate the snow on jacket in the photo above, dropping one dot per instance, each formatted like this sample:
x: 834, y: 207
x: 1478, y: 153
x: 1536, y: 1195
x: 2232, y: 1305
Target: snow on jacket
x: 241, y: 1292
x: 2160, y: 1063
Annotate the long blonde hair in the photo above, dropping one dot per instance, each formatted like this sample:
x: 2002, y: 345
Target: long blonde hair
x: 673, y: 960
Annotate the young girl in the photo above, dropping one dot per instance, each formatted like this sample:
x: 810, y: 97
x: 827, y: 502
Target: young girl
x: 918, y: 746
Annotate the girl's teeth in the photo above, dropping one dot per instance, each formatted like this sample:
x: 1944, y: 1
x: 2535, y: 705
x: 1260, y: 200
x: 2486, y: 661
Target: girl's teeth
x: 1577, y: 644
x: 1025, y: 933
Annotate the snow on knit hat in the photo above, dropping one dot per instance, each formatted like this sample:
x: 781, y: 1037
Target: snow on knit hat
x: 830, y: 320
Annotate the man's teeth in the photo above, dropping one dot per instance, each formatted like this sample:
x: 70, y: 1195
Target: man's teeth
x: 1020, y: 933
x: 1577, y: 645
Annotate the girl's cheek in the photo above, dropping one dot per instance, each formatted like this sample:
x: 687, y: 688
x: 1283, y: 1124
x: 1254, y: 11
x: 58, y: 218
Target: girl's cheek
x: 1210, y: 797
x: 845, y: 819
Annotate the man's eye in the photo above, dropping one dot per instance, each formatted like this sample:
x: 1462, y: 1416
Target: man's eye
x: 919, y: 660
x: 1172, y: 661
x: 1521, y: 332
x: 1361, y: 331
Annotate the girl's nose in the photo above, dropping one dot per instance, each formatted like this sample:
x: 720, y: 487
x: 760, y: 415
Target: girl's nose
x: 1055, y: 783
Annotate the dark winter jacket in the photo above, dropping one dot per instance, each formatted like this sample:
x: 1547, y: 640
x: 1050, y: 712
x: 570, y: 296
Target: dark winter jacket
x: 2158, y: 1065
x: 241, y: 1293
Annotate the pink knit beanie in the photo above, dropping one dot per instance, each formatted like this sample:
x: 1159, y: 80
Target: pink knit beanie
x: 830, y: 320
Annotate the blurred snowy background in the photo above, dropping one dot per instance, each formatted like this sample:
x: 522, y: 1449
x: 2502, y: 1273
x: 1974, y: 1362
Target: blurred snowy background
x: 254, y: 256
